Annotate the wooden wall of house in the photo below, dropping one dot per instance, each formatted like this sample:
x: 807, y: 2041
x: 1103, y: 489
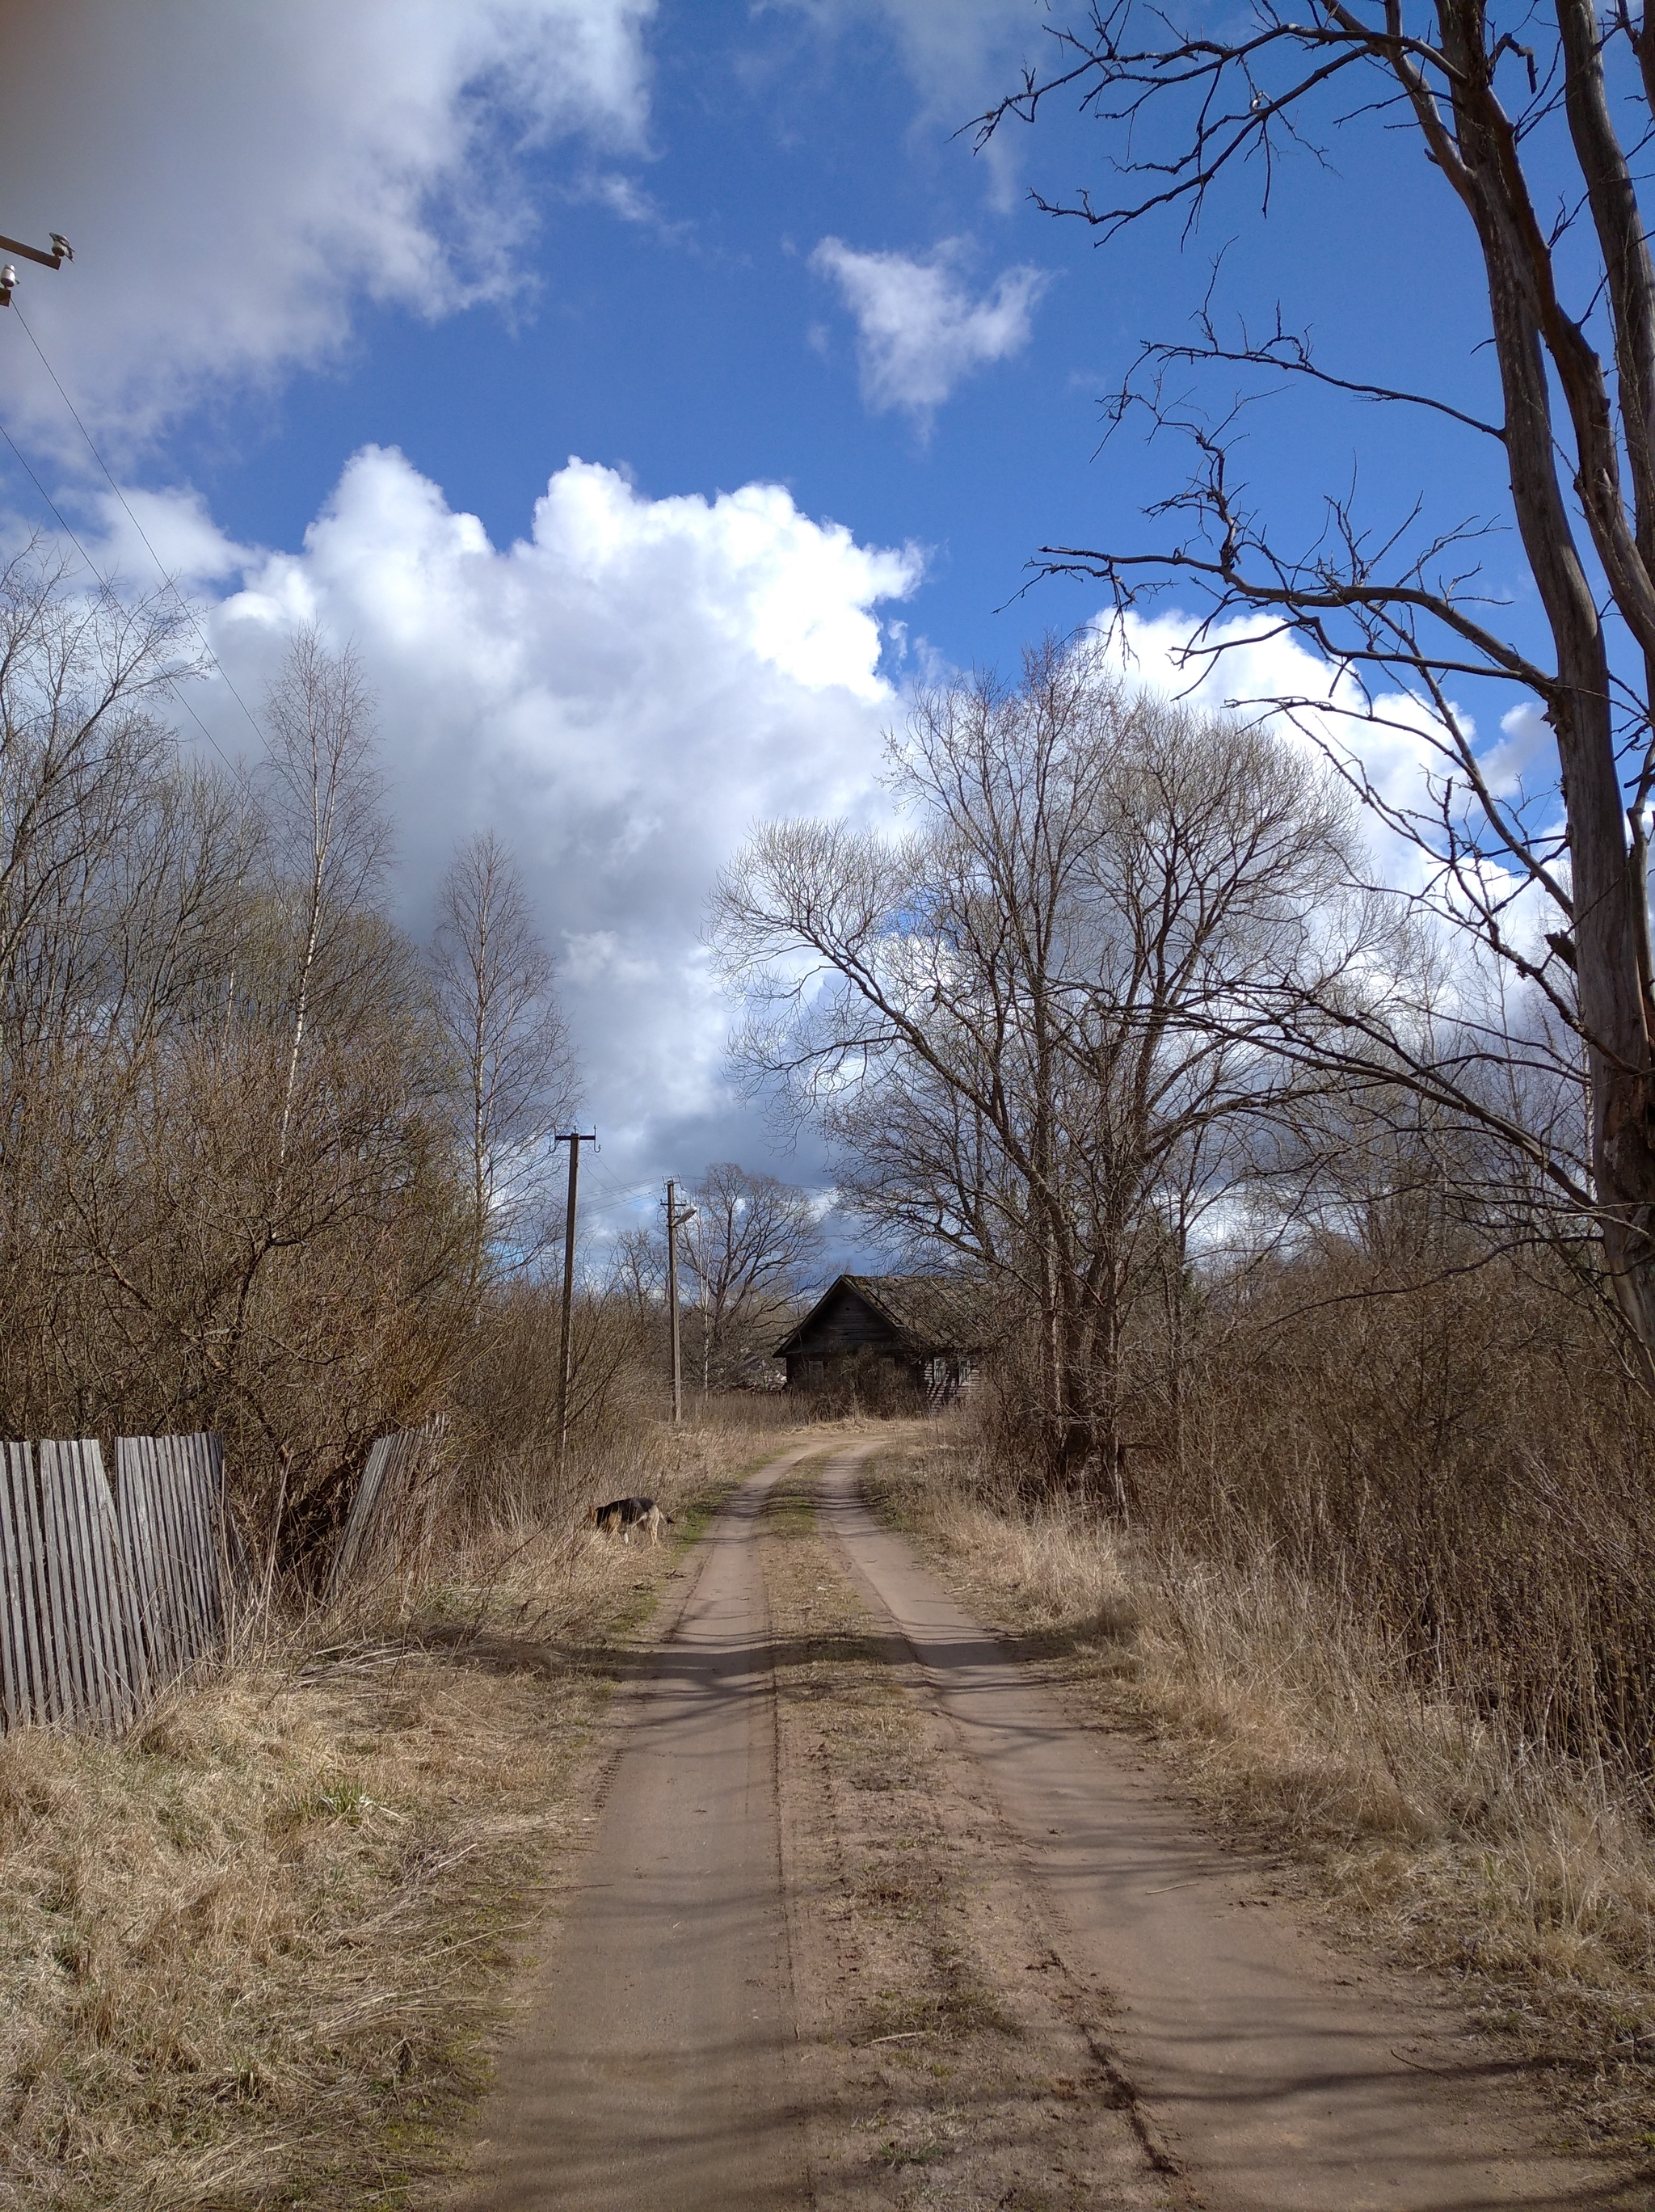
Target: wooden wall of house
x: 879, y: 1380
x: 847, y: 1324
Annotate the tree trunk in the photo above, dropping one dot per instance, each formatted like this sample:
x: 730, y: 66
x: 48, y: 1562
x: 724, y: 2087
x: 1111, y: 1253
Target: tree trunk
x: 1608, y: 928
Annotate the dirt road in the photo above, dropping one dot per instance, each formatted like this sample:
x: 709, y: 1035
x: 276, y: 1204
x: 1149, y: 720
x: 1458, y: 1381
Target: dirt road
x: 868, y: 1920
x: 655, y: 2066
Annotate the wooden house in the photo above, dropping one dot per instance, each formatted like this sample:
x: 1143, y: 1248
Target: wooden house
x: 882, y: 1340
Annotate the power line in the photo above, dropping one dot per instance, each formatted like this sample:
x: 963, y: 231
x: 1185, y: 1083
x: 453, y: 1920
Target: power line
x: 621, y: 1193
x: 102, y: 579
x: 52, y: 504
x: 612, y: 1204
x: 188, y: 611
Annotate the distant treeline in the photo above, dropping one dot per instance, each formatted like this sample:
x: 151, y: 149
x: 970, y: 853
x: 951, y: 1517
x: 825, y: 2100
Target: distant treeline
x: 260, y: 1154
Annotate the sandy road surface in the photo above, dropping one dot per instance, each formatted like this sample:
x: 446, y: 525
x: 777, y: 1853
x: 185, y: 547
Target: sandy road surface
x: 1279, y: 2081
x: 659, y: 2064
x: 653, y: 2068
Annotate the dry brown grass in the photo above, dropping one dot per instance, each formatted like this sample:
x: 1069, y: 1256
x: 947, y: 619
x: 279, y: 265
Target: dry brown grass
x: 1451, y: 1844
x: 251, y: 1955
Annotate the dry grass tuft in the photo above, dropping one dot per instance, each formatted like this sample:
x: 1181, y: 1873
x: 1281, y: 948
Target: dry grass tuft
x: 1454, y: 1843
x: 252, y: 1954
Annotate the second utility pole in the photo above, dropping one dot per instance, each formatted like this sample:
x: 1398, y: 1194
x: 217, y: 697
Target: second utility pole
x: 674, y: 1217
x: 574, y: 1140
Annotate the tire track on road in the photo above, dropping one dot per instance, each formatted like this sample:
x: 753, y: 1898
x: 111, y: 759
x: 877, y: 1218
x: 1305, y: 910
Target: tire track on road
x: 941, y: 2068
x: 1278, y: 2089
x: 653, y: 2068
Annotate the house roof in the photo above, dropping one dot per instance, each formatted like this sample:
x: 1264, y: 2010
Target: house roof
x: 929, y: 1315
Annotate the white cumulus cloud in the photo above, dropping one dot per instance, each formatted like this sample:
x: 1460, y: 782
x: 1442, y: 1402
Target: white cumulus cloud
x: 1394, y: 742
x: 237, y: 180
x: 953, y: 50
x: 1245, y: 665
x: 622, y: 693
x: 919, y: 328
x: 1526, y: 756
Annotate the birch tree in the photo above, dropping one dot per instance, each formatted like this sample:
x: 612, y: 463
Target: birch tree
x: 507, y: 1044
x: 333, y: 840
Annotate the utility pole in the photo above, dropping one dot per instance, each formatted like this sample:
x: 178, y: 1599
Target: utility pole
x: 674, y: 1220
x: 573, y: 1138
x: 62, y: 250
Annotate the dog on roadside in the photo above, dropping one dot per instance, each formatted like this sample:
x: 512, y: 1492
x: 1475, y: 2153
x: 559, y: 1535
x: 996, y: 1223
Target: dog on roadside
x: 622, y: 1515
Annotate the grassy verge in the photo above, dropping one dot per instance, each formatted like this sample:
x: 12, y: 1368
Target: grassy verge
x: 1526, y: 1877
x: 254, y: 1954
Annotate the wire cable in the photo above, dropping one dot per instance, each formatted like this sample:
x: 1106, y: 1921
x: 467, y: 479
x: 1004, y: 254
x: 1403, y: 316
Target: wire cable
x: 188, y: 611
x: 631, y: 1198
x: 620, y: 1193
x: 104, y: 583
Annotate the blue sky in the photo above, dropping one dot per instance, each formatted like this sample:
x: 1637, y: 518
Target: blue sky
x: 699, y: 343
x: 347, y: 274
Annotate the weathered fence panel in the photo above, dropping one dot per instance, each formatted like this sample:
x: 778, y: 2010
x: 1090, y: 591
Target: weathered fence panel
x: 175, y: 1531
x: 92, y: 1642
x: 355, y: 1543
x: 22, y: 1666
x: 104, y: 1599
x: 392, y: 1518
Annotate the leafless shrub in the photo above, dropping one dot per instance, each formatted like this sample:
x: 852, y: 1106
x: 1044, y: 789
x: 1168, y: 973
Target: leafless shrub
x: 231, y: 1195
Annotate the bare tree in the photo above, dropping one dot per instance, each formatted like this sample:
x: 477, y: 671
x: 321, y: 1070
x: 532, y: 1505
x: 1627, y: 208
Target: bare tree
x: 749, y: 1247
x: 638, y: 1271
x: 225, y: 1199
x: 1030, y: 1021
x: 1570, y: 317
x: 332, y: 838
x: 230, y: 1192
x: 505, y: 1036
x: 81, y: 747
x: 81, y: 752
